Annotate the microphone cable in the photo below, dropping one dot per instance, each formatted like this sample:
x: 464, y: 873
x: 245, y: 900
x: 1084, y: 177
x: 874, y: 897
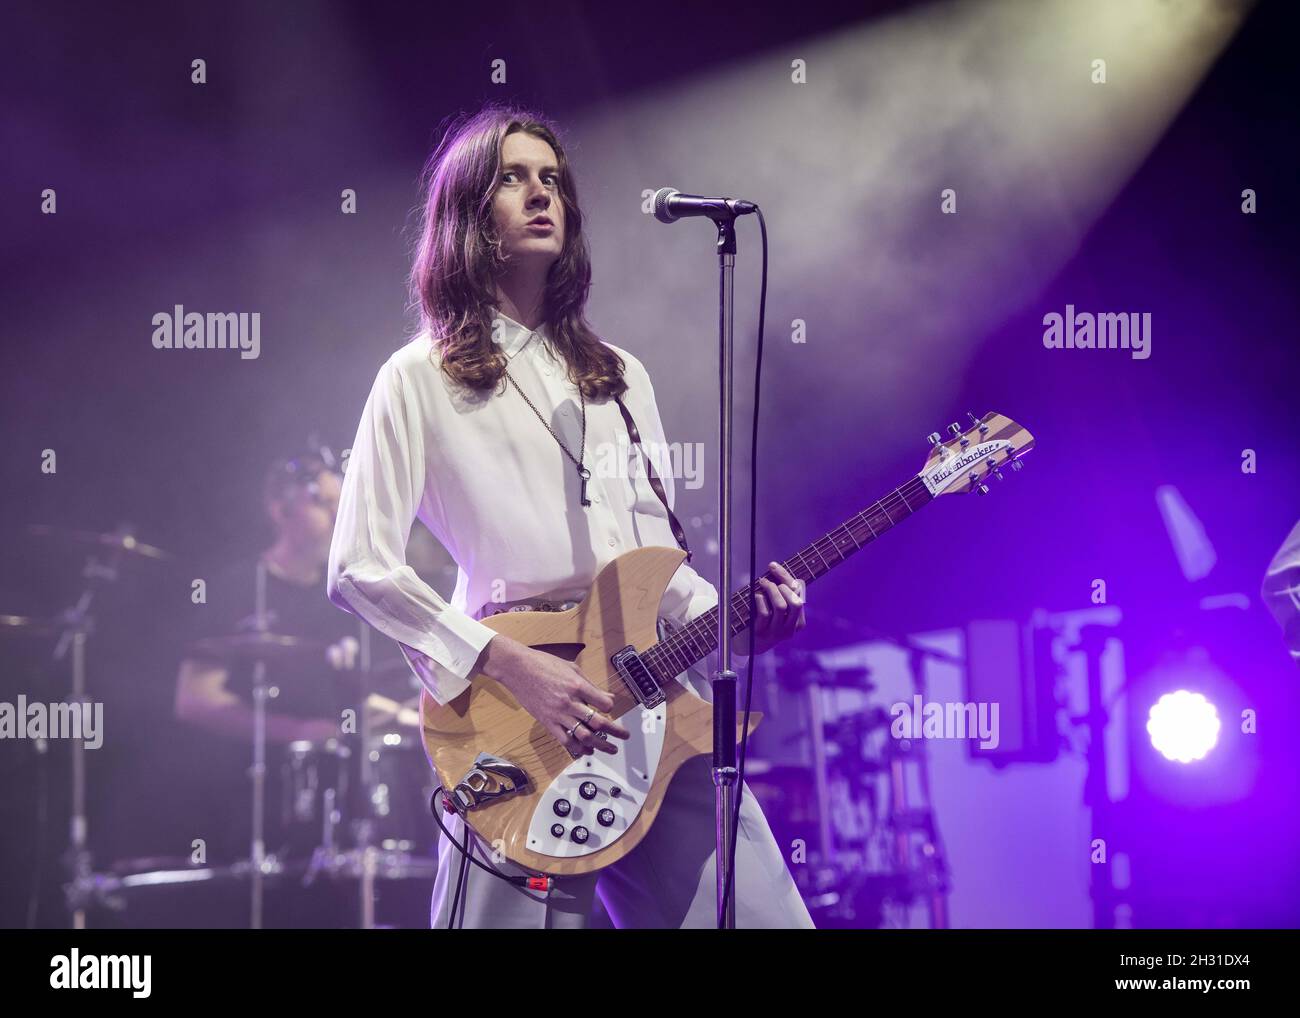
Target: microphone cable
x: 729, y: 889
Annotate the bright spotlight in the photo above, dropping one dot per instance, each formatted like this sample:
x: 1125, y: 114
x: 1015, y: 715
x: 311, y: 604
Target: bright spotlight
x: 1183, y: 726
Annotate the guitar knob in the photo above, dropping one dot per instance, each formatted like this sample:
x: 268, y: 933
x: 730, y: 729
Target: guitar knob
x: 562, y: 807
x: 587, y: 790
x: 605, y: 817
x: 557, y: 830
x: 580, y: 835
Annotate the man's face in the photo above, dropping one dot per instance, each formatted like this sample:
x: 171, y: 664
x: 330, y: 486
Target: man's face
x: 307, y: 512
x: 526, y: 207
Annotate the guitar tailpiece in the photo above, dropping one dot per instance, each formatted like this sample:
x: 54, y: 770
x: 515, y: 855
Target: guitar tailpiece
x: 477, y: 786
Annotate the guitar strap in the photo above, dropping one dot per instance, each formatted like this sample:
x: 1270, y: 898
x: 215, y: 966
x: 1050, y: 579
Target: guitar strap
x: 655, y: 483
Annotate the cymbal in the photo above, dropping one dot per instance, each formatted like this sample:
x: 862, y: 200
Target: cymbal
x: 257, y: 646
x: 387, y: 711
x: 116, y: 541
x: 28, y: 625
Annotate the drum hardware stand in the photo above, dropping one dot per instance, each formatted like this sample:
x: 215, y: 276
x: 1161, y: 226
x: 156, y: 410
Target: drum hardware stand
x: 258, y: 860
x: 930, y: 872
x: 78, y: 624
x: 1092, y: 642
x: 365, y: 826
x: 259, y: 863
x: 910, y: 875
x: 821, y: 786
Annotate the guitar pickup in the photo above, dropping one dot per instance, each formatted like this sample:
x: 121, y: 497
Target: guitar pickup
x: 489, y: 779
x: 636, y: 676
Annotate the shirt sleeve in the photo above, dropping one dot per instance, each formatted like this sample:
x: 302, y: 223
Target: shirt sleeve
x: 1281, y: 590
x: 368, y: 574
x: 702, y: 595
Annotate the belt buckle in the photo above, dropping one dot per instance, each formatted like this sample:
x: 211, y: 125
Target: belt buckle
x: 530, y: 606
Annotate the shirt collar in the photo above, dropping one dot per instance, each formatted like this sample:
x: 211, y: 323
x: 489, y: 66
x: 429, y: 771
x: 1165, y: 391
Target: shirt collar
x: 514, y: 337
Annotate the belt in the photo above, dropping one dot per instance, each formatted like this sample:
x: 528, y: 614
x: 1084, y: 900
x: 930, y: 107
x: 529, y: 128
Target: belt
x: 526, y: 604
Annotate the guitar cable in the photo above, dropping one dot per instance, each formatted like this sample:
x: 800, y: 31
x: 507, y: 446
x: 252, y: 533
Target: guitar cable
x: 439, y: 801
x: 460, y: 878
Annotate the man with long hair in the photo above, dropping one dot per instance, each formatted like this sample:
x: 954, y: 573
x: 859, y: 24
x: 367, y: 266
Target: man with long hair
x: 483, y: 426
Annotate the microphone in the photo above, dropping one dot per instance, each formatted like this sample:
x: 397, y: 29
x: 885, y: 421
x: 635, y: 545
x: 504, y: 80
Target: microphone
x: 671, y: 205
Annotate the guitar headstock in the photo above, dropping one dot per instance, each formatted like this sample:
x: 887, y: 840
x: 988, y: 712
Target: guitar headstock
x: 967, y: 458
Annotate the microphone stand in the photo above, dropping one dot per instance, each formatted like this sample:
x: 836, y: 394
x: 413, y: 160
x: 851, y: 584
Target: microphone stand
x: 723, y: 680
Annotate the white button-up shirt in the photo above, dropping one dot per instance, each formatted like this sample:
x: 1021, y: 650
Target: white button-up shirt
x: 485, y: 476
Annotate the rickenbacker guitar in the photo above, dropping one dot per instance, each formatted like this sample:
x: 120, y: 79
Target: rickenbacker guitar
x: 521, y: 790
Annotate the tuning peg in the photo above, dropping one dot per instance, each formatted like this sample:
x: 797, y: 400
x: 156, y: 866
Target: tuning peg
x: 934, y: 438
x: 997, y: 474
x: 1017, y: 465
x: 983, y: 489
x: 955, y: 428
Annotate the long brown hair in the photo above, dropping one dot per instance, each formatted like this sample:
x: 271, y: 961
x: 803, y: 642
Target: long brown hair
x: 458, y: 257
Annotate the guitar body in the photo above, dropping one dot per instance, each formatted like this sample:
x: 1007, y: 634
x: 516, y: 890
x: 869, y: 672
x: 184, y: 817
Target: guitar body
x: 524, y: 823
x: 517, y: 786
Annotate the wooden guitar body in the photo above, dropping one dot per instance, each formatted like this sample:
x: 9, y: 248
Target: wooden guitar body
x: 621, y: 608
x: 517, y: 786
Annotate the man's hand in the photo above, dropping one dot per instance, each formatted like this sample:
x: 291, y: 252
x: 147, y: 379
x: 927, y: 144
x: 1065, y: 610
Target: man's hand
x: 556, y: 693
x: 780, y: 608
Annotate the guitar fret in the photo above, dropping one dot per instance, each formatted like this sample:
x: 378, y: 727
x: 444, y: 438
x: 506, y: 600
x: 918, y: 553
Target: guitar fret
x: 699, y: 637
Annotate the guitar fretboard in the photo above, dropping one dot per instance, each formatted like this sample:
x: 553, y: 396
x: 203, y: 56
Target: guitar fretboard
x: 699, y: 638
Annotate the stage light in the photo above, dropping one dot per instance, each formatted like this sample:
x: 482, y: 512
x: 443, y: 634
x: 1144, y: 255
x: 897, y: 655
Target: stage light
x: 1183, y: 726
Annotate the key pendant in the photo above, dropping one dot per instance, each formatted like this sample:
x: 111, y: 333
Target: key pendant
x: 585, y: 474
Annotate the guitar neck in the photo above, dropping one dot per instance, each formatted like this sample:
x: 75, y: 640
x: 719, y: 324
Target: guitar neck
x: 699, y: 638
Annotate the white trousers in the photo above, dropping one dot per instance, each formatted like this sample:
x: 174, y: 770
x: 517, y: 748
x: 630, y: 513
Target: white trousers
x: 667, y: 882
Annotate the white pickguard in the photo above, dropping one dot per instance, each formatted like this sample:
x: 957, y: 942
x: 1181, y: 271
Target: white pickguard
x: 631, y: 771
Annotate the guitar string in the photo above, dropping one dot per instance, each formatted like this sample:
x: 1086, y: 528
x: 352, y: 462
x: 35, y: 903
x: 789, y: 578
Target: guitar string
x: 677, y: 647
x: 548, y: 754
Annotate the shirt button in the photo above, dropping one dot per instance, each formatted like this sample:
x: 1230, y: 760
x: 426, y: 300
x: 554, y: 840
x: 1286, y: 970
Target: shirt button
x: 546, y: 371
x: 564, y: 412
x: 611, y: 542
x: 595, y: 498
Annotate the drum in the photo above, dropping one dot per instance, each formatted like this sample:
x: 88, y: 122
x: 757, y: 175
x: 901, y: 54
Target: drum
x: 399, y: 782
x: 314, y: 786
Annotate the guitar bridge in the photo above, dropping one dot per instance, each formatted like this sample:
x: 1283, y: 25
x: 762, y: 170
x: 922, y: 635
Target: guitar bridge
x: 636, y: 676
x: 488, y: 780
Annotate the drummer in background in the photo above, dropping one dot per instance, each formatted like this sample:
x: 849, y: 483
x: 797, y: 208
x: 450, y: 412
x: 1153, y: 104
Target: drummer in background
x: 309, y: 693
x: 287, y: 581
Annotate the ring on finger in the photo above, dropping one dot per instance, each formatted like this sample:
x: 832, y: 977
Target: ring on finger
x: 573, y: 732
x: 591, y: 713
